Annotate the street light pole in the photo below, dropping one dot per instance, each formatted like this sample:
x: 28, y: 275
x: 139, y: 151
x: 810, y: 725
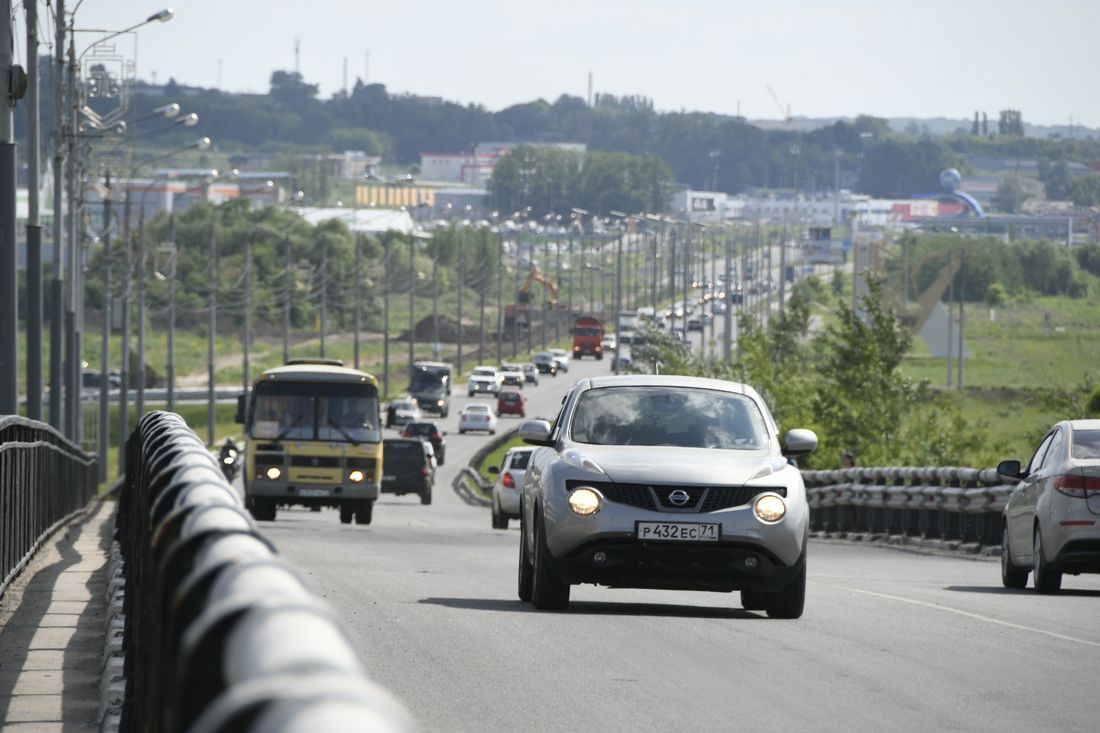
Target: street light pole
x: 288, y: 287
x: 412, y: 303
x: 461, y: 287
x: 9, y: 290
x: 247, y: 376
x: 34, y: 228
x: 105, y: 347
x: 324, y: 294
x: 500, y: 296
x: 386, y: 320
x: 358, y: 295
x: 212, y: 327
x: 57, y: 285
x: 170, y: 372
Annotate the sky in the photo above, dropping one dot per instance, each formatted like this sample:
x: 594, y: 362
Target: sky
x: 822, y: 59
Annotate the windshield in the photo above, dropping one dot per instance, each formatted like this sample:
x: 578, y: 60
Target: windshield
x: 315, y: 411
x: 675, y: 416
x: 429, y: 379
x: 482, y: 372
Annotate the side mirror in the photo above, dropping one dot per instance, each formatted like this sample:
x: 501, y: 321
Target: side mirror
x: 799, y: 442
x: 1009, y: 469
x: 239, y: 417
x: 494, y: 469
x: 535, y: 432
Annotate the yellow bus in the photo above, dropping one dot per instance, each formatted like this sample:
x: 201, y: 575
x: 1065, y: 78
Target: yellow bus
x: 313, y: 439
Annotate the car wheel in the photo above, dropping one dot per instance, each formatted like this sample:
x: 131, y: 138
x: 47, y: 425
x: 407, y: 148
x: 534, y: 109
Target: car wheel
x: 789, y: 602
x: 426, y: 497
x: 499, y: 520
x: 548, y: 591
x: 492, y: 432
x: 1011, y: 576
x: 599, y: 357
x: 525, y: 573
x: 263, y: 510
x: 1047, y: 581
x: 315, y: 508
x: 364, y: 512
x: 346, y: 514
x: 461, y: 432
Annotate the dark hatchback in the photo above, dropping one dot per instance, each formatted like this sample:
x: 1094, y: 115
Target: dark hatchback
x: 428, y: 431
x: 408, y: 468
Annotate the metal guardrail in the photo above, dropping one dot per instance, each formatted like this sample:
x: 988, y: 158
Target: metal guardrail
x: 468, y: 484
x: 219, y: 634
x: 948, y: 504
x: 44, y: 481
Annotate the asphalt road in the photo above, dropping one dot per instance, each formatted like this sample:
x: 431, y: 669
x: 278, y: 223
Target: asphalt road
x: 890, y: 640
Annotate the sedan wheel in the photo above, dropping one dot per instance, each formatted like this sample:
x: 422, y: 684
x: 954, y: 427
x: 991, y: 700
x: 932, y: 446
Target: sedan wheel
x: 789, y: 602
x: 1046, y: 580
x: 1011, y: 576
x: 525, y: 574
x: 499, y: 520
x: 548, y: 591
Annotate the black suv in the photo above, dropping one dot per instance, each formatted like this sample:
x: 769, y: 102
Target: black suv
x: 408, y: 467
x: 428, y: 431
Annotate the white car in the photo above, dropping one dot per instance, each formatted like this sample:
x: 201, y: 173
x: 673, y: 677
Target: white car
x: 511, y: 375
x: 508, y: 485
x: 561, y: 358
x: 477, y: 417
x: 402, y: 412
x: 484, y: 380
x: 609, y: 342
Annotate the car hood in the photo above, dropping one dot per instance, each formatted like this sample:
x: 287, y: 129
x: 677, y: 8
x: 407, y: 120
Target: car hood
x: 668, y: 464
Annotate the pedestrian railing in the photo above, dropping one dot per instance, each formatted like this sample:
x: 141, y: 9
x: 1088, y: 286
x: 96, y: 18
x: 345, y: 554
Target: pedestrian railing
x: 44, y: 480
x: 219, y: 634
x: 952, y: 505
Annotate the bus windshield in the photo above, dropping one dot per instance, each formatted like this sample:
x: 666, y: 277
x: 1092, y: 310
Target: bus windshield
x: 333, y: 412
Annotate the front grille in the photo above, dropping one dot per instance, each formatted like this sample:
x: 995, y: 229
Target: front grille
x: 316, y: 461
x: 656, y: 497
x: 367, y: 463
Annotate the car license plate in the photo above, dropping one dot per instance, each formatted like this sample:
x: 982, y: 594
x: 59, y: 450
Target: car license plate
x: 678, y: 531
x: 313, y: 492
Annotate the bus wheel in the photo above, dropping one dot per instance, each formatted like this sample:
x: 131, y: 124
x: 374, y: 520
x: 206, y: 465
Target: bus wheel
x: 345, y: 514
x: 262, y: 510
x: 364, y: 511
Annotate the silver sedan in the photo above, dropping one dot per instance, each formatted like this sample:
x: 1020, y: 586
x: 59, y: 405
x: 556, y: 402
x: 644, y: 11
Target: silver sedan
x: 1052, y: 519
x: 664, y: 482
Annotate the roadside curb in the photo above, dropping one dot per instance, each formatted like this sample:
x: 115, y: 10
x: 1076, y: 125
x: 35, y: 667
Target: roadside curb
x: 915, y: 545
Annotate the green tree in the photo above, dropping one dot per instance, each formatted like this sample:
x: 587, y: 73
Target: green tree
x: 1056, y: 179
x: 1010, y: 196
x: 1085, y: 190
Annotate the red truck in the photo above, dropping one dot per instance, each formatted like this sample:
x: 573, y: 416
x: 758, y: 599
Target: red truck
x: 587, y: 337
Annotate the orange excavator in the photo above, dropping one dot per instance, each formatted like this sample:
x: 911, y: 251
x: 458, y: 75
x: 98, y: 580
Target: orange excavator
x: 521, y: 309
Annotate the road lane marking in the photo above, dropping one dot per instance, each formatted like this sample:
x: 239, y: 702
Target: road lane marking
x: 967, y: 614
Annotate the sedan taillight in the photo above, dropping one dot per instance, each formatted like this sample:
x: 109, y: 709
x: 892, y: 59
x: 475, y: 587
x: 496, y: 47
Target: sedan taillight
x: 1076, y: 485
x: 508, y: 481
x: 426, y: 470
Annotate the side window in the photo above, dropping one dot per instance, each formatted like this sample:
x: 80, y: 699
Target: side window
x: 1037, y: 459
x: 1055, y: 451
x: 557, y: 425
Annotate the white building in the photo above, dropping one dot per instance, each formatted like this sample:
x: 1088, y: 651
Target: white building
x: 470, y: 168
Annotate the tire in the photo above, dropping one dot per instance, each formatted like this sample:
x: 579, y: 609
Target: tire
x: 426, y: 497
x: 492, y: 432
x: 315, y: 508
x: 548, y: 591
x: 525, y: 573
x: 753, y: 600
x: 262, y: 510
x: 346, y: 514
x: 1047, y: 580
x: 461, y: 432
x: 789, y: 602
x: 1011, y: 576
x: 599, y: 357
x: 364, y: 511
x: 499, y: 521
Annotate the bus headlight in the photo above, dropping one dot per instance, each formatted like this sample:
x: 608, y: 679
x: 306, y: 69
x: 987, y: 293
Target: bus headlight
x: 274, y: 473
x: 356, y: 476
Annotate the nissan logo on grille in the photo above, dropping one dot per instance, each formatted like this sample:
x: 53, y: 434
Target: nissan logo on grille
x: 679, y: 497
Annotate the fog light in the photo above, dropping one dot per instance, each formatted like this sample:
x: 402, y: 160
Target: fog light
x: 356, y: 476
x: 769, y: 508
x: 751, y: 562
x: 599, y: 558
x: 584, y: 501
x: 274, y: 473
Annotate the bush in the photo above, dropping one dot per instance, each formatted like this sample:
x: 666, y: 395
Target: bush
x: 995, y: 295
x: 1092, y: 407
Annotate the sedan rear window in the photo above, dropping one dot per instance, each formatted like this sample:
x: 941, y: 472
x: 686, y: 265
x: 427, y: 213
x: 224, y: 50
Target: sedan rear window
x: 674, y: 416
x: 1086, y: 444
x: 520, y: 460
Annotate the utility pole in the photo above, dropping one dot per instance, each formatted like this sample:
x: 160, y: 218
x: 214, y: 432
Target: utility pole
x: 412, y: 303
x: 500, y: 296
x: 34, y: 228
x: 618, y: 290
x: 139, y: 400
x: 74, y: 351
x: 124, y: 370
x: 727, y: 345
x: 212, y: 338
x: 105, y: 347
x: 57, y: 285
x: 9, y: 288
x: 324, y: 294
x: 461, y: 288
x: 358, y: 294
x: 247, y: 376
x: 435, y: 299
x: 170, y: 372
x: 386, y: 320
x: 288, y: 286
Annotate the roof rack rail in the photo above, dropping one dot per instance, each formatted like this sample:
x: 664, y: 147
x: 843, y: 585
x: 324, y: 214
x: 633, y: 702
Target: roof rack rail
x: 315, y: 360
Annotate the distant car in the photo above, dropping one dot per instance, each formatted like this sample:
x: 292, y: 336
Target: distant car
x: 511, y: 375
x: 626, y: 337
x: 483, y: 380
x: 623, y: 361
x: 546, y: 364
x: 408, y: 467
x: 511, y: 403
x: 428, y: 431
x: 695, y: 324
x: 530, y: 373
x: 509, y: 482
x: 477, y: 417
x: 92, y: 379
x: 402, y: 412
x: 1050, y: 521
x: 609, y: 342
x: 561, y: 357
x: 664, y: 482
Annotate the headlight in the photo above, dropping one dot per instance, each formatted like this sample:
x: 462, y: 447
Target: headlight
x: 440, y: 403
x: 229, y: 459
x: 274, y: 473
x: 769, y: 508
x: 356, y: 476
x: 584, y: 501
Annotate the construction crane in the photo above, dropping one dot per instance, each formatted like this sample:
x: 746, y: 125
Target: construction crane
x: 784, y: 112
x: 523, y: 297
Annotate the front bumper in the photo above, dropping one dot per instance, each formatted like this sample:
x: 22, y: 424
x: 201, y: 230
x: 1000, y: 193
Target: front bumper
x: 311, y: 494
